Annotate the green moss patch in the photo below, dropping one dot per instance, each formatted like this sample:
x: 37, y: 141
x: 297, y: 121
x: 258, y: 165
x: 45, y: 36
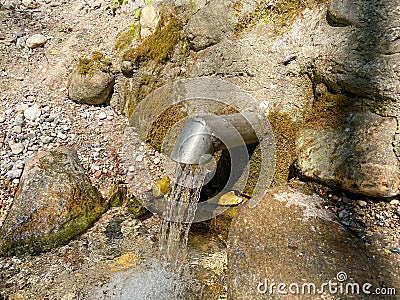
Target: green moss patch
x: 330, y: 109
x: 77, y: 224
x: 97, y: 61
x: 126, y: 37
x: 144, y: 86
x: 285, y: 131
x: 280, y: 15
x: 159, y: 46
x: 162, y: 125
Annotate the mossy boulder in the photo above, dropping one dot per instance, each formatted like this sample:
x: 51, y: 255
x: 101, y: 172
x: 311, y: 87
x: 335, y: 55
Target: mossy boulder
x: 92, y: 81
x: 55, y: 202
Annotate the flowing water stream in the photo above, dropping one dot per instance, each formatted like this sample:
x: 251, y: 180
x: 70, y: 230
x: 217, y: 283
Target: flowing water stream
x: 179, y: 214
x: 168, y: 276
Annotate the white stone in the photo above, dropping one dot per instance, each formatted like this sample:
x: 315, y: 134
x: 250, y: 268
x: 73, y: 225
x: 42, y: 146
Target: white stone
x: 395, y: 202
x: 14, y: 173
x: 51, y: 118
x: 27, y: 3
x: 156, y: 161
x: 32, y: 113
x: 131, y: 169
x: 139, y: 158
x: 62, y: 136
x: 19, y: 165
x: 21, y: 107
x: 102, y: 115
x: 21, y: 42
x: 2, y: 119
x: 362, y: 203
x: 17, y: 148
x: 36, y: 40
x: 17, y: 129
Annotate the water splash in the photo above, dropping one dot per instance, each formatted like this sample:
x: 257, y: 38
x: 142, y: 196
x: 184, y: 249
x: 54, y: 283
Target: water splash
x: 151, y: 280
x: 168, y: 276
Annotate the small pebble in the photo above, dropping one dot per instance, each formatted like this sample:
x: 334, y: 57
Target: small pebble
x: 32, y: 113
x: 156, y: 161
x: 362, y: 203
x: 17, y: 129
x: 21, y: 107
x: 19, y: 120
x: 2, y: 119
x: 51, y: 118
x: 102, y: 116
x: 45, y: 139
x: 14, y: 173
x: 35, y: 41
x: 139, y: 158
x: 395, y: 202
x: 131, y: 169
x: 19, y: 165
x: 62, y: 136
x: 17, y: 148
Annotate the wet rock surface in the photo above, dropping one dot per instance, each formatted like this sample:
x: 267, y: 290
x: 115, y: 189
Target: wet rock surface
x: 54, y: 202
x: 290, y: 237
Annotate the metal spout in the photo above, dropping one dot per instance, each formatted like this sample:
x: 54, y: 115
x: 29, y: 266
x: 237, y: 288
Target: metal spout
x: 203, y: 135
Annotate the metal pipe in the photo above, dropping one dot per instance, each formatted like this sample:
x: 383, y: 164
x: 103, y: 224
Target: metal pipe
x: 203, y: 135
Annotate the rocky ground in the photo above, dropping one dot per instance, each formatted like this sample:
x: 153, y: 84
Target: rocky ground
x: 37, y: 78
x: 35, y: 114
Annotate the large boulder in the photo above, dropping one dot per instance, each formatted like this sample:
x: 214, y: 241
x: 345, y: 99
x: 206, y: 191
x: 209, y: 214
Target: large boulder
x: 289, y: 238
x: 55, y: 201
x: 357, y: 155
x: 92, y: 81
